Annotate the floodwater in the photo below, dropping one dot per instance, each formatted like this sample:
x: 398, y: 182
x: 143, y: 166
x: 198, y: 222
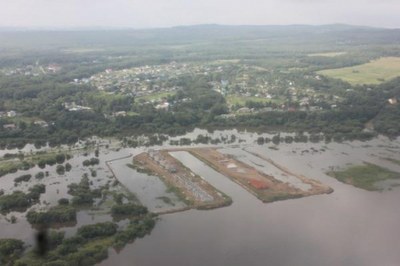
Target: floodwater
x: 348, y: 227
x: 56, y: 188
x: 149, y: 189
x: 351, y: 226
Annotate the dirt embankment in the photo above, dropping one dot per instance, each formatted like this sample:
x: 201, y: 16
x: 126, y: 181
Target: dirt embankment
x: 191, y: 188
x: 265, y: 187
x: 316, y: 186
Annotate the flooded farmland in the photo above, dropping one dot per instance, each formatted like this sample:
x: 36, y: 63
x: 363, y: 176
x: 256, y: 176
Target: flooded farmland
x: 350, y: 226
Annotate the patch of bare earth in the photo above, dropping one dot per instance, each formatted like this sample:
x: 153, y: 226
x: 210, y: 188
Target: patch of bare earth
x: 263, y: 186
x: 191, y: 188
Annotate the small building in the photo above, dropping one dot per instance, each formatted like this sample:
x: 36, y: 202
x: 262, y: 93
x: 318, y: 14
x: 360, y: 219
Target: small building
x: 9, y: 126
x: 162, y: 106
x: 41, y: 123
x: 393, y: 101
x: 121, y: 113
x: 54, y: 68
x: 11, y: 113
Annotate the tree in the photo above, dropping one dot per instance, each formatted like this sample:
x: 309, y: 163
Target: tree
x: 68, y: 167
x: 60, y: 169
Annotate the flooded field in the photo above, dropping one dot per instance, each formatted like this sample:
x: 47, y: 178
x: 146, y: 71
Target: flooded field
x: 350, y: 226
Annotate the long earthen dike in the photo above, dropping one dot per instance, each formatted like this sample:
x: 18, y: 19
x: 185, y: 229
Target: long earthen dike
x: 264, y: 187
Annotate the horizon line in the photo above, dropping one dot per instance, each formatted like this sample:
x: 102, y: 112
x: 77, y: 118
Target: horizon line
x: 101, y: 28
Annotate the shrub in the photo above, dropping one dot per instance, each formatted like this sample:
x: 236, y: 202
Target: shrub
x: 57, y: 214
x: 68, y: 167
x: 22, y: 178
x: 39, y: 175
x: 63, y: 201
x: 128, y: 209
x: 60, y: 169
x: 97, y: 230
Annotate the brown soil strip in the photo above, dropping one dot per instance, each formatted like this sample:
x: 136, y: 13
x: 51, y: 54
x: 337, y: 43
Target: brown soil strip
x: 191, y: 188
x: 316, y: 186
x: 263, y: 186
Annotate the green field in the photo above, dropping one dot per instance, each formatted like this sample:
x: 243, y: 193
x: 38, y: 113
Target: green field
x: 330, y: 54
x: 374, y: 72
x: 364, y: 176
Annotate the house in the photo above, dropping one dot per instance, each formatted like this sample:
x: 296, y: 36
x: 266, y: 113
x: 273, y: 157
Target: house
x: 9, y: 126
x: 53, y: 68
x: 121, y: 113
x: 393, y: 101
x: 41, y: 123
x: 314, y: 108
x: 162, y: 106
x: 11, y: 113
x: 72, y: 107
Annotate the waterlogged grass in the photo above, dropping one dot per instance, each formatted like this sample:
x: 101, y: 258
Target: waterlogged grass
x: 364, y: 176
x: 374, y: 72
x: 13, y: 166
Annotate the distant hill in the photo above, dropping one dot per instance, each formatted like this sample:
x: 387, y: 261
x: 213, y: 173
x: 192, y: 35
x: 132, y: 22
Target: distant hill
x: 275, y: 34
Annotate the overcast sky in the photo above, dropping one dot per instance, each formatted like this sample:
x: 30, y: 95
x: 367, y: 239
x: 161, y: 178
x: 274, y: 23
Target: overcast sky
x: 166, y: 13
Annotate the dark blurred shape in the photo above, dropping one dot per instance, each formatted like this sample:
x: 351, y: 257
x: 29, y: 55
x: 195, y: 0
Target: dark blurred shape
x: 42, y: 242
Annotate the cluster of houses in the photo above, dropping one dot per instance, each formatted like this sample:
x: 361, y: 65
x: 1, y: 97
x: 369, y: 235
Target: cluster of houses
x: 229, y: 79
x: 147, y: 80
x: 32, y: 70
x: 12, y: 126
x: 40, y: 123
x: 8, y: 114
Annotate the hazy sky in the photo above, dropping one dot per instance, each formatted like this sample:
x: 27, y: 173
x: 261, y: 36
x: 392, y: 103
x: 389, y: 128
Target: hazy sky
x: 165, y: 13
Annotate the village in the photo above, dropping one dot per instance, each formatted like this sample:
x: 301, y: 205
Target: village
x: 35, y: 70
x: 247, y: 89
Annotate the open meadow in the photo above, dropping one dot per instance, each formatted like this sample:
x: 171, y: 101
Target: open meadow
x: 374, y: 72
